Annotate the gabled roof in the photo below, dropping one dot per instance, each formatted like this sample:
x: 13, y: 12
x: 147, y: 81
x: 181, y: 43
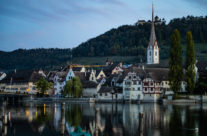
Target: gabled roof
x: 61, y: 75
x: 82, y: 75
x: 51, y: 74
x: 158, y: 74
x: 22, y: 76
x: 105, y: 89
x: 109, y: 79
x: 139, y: 71
x: 107, y: 70
x: 124, y: 74
x: 89, y: 84
x: 98, y: 71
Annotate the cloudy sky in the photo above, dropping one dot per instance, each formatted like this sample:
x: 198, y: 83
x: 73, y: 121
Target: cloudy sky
x: 67, y: 23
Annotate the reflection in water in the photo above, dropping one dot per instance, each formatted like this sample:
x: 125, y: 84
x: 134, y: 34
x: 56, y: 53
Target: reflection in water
x: 103, y: 119
x: 74, y: 115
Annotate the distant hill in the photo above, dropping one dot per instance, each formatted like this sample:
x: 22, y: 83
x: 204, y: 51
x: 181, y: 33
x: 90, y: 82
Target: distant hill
x: 127, y: 40
x: 33, y: 58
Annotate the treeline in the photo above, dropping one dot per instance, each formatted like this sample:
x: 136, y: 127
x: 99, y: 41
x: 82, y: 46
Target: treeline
x: 132, y: 40
x: 33, y: 58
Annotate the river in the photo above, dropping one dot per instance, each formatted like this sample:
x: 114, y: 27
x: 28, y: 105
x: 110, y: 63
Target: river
x: 51, y: 119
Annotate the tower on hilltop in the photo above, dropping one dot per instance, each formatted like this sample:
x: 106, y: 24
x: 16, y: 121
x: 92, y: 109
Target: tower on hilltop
x: 152, y: 49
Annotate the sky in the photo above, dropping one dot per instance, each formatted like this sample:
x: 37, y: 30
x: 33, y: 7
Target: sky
x: 30, y: 24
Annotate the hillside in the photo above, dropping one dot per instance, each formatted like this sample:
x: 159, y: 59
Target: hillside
x: 127, y: 40
x: 132, y: 40
x: 33, y: 58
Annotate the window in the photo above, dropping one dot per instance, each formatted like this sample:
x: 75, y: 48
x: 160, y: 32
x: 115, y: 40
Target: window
x: 130, y: 77
x: 100, y: 94
x: 127, y: 89
x: 134, y: 76
x: 133, y: 89
x: 112, y: 83
x: 151, y: 89
x: 150, y: 53
x: 151, y: 83
x: 105, y: 94
x: 127, y: 83
x: 138, y: 88
x: 155, y: 53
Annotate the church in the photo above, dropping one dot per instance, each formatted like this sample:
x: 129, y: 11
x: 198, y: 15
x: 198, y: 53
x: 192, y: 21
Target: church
x: 153, y: 49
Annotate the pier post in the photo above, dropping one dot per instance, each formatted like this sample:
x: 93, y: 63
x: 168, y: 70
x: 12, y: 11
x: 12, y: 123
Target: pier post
x: 141, y: 124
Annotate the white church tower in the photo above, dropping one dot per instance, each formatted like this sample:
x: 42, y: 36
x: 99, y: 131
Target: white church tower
x: 153, y: 49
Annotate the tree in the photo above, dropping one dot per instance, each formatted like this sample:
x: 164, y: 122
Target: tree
x: 43, y: 85
x: 175, y: 63
x: 190, y: 63
x: 73, y: 88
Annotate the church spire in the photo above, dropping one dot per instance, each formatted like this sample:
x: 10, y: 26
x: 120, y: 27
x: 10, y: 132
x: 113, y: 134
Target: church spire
x: 153, y: 49
x: 152, y: 34
x: 152, y: 12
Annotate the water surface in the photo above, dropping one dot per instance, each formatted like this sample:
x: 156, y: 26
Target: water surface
x: 51, y: 119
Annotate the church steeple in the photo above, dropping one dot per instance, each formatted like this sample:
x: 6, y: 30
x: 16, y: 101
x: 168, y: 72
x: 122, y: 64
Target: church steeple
x: 153, y: 49
x: 152, y: 34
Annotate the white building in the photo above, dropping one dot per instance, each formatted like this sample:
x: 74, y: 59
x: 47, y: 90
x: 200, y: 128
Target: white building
x: 106, y: 94
x: 153, y: 49
x: 132, y: 87
x: 59, y: 82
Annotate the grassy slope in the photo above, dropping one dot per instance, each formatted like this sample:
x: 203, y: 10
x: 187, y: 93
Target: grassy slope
x: 201, y: 54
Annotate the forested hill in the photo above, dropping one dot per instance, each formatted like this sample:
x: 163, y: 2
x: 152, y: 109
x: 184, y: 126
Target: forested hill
x: 33, y: 58
x: 133, y: 39
x: 127, y: 40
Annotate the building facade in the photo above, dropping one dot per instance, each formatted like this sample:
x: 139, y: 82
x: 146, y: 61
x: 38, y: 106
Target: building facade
x: 132, y: 87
